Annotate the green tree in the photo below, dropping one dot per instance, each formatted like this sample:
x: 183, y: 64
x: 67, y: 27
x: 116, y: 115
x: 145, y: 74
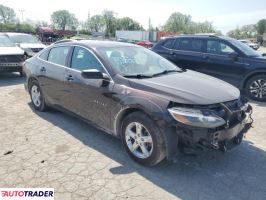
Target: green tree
x: 7, y: 14
x: 96, y: 23
x: 261, y: 26
x: 109, y: 22
x: 203, y: 27
x: 246, y: 31
x: 178, y: 22
x: 63, y: 19
x: 127, y: 23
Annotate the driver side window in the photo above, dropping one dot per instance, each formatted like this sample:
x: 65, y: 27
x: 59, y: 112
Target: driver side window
x: 82, y: 59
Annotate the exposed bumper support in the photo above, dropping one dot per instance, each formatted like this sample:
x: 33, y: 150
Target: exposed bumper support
x: 223, y: 138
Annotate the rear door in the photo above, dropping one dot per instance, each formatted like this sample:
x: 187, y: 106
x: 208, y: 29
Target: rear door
x: 88, y: 98
x: 51, y: 73
x: 219, y: 63
x: 187, y: 53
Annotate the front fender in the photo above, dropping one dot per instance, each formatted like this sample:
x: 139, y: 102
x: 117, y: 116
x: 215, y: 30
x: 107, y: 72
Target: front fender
x: 156, y: 110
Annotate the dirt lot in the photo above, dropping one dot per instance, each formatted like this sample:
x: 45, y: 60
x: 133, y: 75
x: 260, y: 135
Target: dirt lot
x: 55, y: 150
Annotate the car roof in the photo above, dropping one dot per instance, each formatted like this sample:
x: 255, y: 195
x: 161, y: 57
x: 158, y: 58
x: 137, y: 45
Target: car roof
x: 96, y: 43
x: 199, y: 36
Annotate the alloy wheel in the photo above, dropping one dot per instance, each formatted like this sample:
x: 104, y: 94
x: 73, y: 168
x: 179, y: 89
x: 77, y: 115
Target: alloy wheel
x: 139, y: 140
x: 258, y: 88
x: 36, y: 96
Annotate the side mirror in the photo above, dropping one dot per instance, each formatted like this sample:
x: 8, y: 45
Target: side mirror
x: 94, y: 74
x: 233, y: 55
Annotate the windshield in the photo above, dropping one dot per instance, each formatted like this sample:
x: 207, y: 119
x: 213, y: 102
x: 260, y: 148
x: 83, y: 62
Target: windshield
x: 133, y: 61
x: 24, y: 39
x: 248, y: 51
x: 6, y: 42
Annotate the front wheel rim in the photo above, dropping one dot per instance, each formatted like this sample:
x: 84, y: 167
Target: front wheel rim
x: 258, y: 88
x: 139, y: 140
x: 36, y: 95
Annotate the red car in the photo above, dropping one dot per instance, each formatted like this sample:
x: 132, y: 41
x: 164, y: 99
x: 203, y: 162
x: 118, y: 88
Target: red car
x: 146, y: 44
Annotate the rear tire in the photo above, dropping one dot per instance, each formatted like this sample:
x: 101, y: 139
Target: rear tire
x: 255, y: 88
x: 37, y: 97
x: 142, y: 139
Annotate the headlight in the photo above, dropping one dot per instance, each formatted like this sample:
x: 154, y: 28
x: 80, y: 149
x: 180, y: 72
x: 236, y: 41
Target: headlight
x: 197, y: 118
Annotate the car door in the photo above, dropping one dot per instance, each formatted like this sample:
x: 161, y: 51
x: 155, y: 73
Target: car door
x: 187, y: 53
x: 51, y: 73
x: 223, y: 61
x: 88, y: 98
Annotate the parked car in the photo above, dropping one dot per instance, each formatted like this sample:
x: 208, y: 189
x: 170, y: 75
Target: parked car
x: 125, y: 40
x: 221, y: 57
x: 253, y: 45
x: 29, y: 43
x: 146, y: 44
x: 11, y: 56
x: 138, y: 96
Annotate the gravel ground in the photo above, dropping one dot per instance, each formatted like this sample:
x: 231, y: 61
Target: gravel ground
x: 52, y: 149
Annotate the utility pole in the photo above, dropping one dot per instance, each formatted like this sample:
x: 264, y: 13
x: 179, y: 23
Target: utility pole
x: 22, y: 12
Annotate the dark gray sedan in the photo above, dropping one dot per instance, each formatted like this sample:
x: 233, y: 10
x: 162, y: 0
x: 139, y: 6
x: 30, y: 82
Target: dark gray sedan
x: 138, y: 96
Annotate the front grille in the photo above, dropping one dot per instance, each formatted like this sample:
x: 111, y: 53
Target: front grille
x: 11, y: 58
x: 36, y: 50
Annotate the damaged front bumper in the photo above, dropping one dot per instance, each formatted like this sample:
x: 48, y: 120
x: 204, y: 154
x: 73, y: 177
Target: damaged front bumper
x: 226, y: 139
x: 222, y: 138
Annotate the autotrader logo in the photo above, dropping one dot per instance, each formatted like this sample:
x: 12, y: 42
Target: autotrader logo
x: 26, y: 193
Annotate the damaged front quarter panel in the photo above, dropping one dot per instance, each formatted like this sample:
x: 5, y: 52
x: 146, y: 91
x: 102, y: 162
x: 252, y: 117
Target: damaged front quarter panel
x: 238, y: 117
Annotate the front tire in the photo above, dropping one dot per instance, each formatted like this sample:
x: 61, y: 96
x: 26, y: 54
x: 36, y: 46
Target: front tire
x: 37, y: 97
x: 142, y: 139
x: 256, y: 88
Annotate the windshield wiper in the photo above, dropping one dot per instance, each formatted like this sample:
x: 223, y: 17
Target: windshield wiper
x: 166, y: 72
x: 139, y: 76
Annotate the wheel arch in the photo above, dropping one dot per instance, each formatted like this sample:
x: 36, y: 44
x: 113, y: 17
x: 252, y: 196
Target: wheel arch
x: 30, y: 79
x: 122, y: 115
x: 250, y: 75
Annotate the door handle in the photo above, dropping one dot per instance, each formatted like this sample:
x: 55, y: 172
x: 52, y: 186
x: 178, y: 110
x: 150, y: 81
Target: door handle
x: 43, y: 69
x: 69, y: 78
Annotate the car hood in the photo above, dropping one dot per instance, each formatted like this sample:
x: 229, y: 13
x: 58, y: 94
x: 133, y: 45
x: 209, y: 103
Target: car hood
x: 11, y: 51
x: 31, y: 45
x: 188, y: 88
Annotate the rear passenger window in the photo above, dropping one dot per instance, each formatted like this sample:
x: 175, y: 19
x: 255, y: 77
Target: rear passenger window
x: 168, y: 43
x: 58, y: 55
x: 44, y: 55
x: 190, y: 45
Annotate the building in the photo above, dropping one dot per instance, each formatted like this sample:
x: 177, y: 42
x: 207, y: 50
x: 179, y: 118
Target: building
x: 152, y: 36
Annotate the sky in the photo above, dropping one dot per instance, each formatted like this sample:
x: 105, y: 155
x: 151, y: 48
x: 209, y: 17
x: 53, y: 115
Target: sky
x: 224, y: 14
